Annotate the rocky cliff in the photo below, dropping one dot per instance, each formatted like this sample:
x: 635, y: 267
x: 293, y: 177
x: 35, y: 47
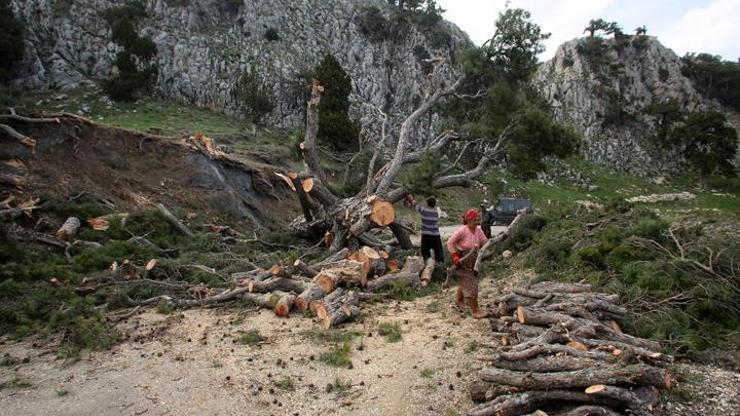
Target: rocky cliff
x: 205, y: 45
x: 603, y: 86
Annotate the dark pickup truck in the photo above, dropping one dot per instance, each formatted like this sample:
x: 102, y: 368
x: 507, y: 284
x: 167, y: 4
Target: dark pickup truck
x: 506, y: 209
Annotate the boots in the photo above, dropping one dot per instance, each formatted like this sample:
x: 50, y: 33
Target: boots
x: 459, y: 299
x: 477, y: 313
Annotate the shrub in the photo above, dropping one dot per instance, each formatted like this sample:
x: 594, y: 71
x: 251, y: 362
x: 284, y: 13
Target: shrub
x: 272, y: 35
x: 335, y: 127
x: 251, y: 337
x: 390, y: 330
x: 11, y: 40
x: 338, y: 356
x: 373, y: 24
x: 136, y: 69
x: 255, y: 99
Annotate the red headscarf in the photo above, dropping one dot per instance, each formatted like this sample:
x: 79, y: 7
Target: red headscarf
x: 470, y: 215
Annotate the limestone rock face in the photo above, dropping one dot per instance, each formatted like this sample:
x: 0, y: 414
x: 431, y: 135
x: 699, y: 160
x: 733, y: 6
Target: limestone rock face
x: 205, y: 45
x: 604, y: 97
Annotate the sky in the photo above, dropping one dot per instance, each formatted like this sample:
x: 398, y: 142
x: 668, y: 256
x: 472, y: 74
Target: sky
x: 711, y: 26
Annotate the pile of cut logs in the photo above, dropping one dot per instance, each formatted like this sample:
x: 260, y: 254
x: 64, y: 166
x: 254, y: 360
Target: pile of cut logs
x: 332, y: 289
x: 561, y: 352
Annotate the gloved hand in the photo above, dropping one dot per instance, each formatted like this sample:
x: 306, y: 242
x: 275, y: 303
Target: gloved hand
x: 455, y: 259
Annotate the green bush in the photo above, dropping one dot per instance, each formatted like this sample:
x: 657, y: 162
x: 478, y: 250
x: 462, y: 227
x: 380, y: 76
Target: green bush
x: 255, y: 99
x: 11, y: 40
x: 135, y: 63
x: 272, y: 35
x: 374, y: 25
x: 336, y: 129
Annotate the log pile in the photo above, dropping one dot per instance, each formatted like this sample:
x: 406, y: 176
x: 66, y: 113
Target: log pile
x: 561, y: 351
x: 331, y: 290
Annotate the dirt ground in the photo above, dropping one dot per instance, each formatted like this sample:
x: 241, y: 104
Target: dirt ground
x: 189, y: 363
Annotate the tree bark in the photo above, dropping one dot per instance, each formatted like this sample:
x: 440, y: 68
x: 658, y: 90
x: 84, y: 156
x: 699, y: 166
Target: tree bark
x: 410, y: 274
x: 426, y: 274
x: 527, y: 402
x: 179, y: 226
x: 404, y: 240
x: 636, y: 375
x: 644, y: 398
x: 305, y: 268
x: 68, y: 229
x: 276, y: 283
x: 313, y: 292
x: 349, y: 272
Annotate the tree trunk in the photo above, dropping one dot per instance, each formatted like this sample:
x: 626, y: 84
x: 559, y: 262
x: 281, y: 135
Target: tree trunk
x: 636, y: 374
x: 276, y: 283
x: 179, y: 226
x: 404, y: 240
x: 68, y: 229
x: 313, y: 292
x: 350, y: 272
x: 305, y: 268
x: 426, y: 274
x: 527, y: 402
x: 410, y: 274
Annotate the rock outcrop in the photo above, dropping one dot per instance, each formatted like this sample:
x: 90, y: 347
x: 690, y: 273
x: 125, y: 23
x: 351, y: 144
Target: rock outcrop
x: 603, y: 89
x: 205, y: 45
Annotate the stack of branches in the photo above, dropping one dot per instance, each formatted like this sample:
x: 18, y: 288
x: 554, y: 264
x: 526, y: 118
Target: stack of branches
x: 562, y: 352
x: 331, y: 290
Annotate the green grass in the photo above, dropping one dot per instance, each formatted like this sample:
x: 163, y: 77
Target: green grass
x: 427, y: 373
x: 471, y: 347
x: 335, y: 336
x: 148, y: 115
x: 340, y: 387
x: 286, y: 384
x: 611, y: 185
x: 390, y: 330
x: 338, y: 356
x: 165, y: 308
x: 251, y: 337
x: 434, y: 307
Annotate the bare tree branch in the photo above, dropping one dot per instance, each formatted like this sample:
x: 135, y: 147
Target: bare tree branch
x: 405, y: 135
x: 379, y: 146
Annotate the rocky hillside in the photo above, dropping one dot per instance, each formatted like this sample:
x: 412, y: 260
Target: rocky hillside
x: 205, y: 45
x: 602, y: 87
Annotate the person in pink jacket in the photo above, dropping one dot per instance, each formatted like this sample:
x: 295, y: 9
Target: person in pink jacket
x: 467, y: 238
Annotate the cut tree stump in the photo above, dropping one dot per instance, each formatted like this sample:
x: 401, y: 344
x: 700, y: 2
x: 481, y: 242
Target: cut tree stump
x: 312, y: 292
x: 68, y: 229
x: 284, y: 304
x: 350, y: 272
